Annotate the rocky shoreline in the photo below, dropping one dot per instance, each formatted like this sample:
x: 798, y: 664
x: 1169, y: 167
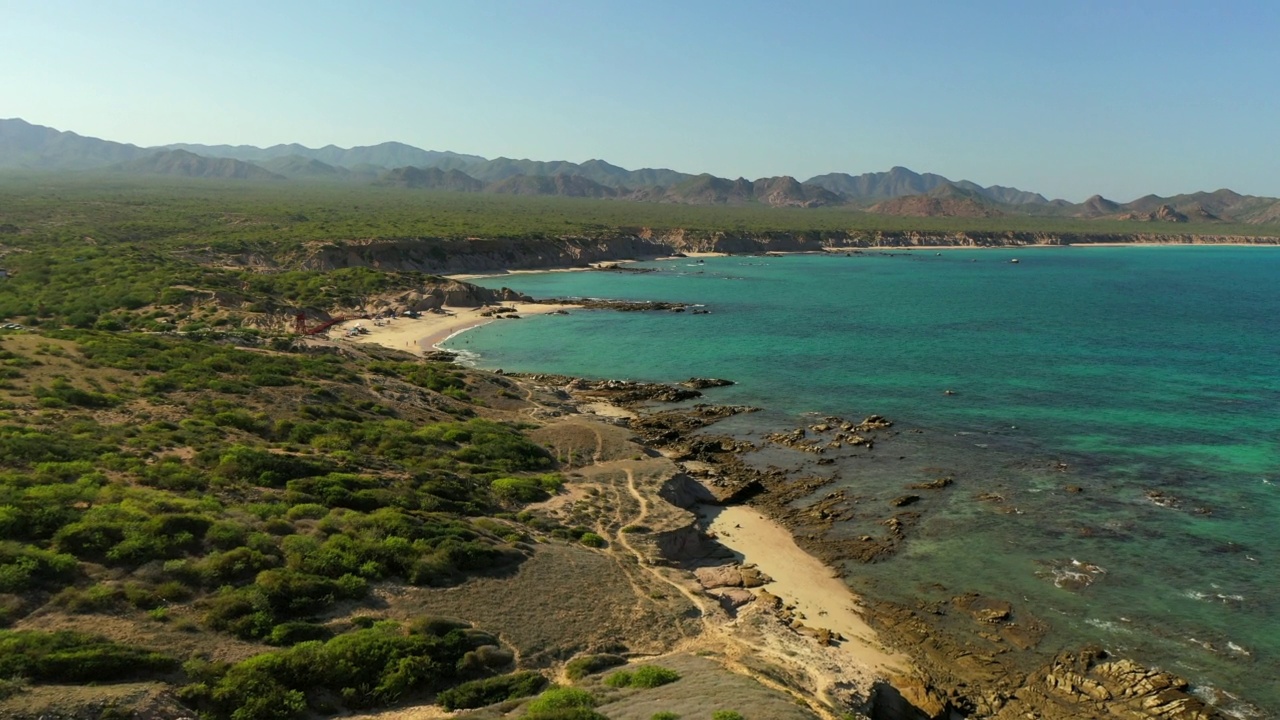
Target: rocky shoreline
x: 973, y: 656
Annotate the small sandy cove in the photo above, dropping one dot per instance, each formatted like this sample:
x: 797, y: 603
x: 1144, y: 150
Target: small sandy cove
x: 801, y: 580
x: 419, y: 335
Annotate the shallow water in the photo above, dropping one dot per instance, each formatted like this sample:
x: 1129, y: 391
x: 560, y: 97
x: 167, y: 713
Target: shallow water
x: 1146, y: 370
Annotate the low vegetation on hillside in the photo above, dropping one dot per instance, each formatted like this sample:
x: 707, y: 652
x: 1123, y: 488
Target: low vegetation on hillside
x: 248, y: 493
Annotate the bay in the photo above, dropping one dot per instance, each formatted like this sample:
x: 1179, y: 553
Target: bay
x: 1151, y: 373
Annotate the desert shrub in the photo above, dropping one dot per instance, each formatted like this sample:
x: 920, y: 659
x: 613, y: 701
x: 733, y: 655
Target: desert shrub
x: 551, y: 482
x: 561, y: 698
x: 94, y: 599
x: 75, y: 658
x: 233, y: 566
x: 574, y: 713
x: 585, y: 665
x: 173, y: 474
x: 12, y: 686
x: 25, y: 567
x: 424, y: 375
x: 243, y: 612
x: 307, y: 511
x: 67, y: 394
x: 484, y: 659
x: 591, y: 539
x: 226, y: 535
x: 495, y: 445
x: 289, y: 592
x: 363, y: 668
x: 518, y: 490
x: 261, y: 467
x: 665, y: 715
x: 652, y: 676
x: 479, y: 693
x: 727, y: 715
x: 437, y: 626
x: 292, y: 633
x: 620, y: 679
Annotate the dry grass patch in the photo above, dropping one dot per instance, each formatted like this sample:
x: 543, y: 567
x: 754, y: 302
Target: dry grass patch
x: 703, y: 688
x: 562, y: 601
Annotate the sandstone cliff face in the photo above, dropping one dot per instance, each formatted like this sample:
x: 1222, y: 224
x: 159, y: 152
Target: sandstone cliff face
x: 476, y: 255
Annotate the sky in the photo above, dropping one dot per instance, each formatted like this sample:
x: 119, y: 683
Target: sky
x: 1116, y: 97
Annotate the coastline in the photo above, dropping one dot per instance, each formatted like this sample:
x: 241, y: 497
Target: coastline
x: 814, y: 598
x: 422, y: 334
x: 847, y: 672
x: 814, y: 589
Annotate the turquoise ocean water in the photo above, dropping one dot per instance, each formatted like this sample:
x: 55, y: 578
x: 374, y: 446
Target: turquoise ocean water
x: 1152, y: 372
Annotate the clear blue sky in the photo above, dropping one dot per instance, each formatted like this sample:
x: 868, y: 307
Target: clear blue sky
x: 1065, y: 98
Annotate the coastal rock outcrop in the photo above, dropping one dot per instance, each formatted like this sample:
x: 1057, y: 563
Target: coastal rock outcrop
x: 440, y: 293
x: 698, y: 383
x: 1090, y: 683
x: 723, y: 576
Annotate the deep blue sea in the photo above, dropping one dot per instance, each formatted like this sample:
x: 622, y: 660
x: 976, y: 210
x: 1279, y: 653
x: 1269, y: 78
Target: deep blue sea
x: 1153, y: 373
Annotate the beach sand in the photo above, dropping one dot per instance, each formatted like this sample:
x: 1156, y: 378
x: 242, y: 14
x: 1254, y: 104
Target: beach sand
x: 803, y: 581
x: 420, y: 335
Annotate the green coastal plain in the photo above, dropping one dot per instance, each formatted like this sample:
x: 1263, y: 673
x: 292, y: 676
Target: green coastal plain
x: 203, y: 512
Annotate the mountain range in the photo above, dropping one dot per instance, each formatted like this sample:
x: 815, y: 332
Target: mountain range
x: 899, y: 191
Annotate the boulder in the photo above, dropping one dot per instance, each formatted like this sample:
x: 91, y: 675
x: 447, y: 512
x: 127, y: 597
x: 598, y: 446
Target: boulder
x: 733, y: 598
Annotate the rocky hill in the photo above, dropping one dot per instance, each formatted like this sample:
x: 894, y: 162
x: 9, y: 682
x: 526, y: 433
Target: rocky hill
x: 184, y: 164
x: 299, y: 167
x: 35, y: 147
x: 430, y: 179
x: 384, y: 155
x: 561, y: 185
x: 782, y: 191
x: 933, y: 206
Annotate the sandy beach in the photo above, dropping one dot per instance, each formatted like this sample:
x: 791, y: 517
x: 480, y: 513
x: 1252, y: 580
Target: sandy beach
x: 420, y: 335
x: 803, y: 581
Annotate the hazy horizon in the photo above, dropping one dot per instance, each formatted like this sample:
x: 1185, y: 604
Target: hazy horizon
x: 1068, y: 100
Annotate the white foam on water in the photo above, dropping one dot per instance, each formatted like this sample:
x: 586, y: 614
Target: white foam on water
x: 1108, y: 625
x: 466, y: 357
x: 1226, y: 703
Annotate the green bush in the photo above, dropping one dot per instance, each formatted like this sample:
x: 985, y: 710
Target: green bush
x: 648, y: 676
x: 575, y: 713
x: 292, y: 633
x: 518, y: 490
x: 12, y: 686
x: 362, y: 668
x: 24, y: 568
x: 727, y: 715
x: 620, y: 679
x: 71, y: 657
x: 665, y: 715
x: 479, y: 693
x: 585, y: 665
x: 561, y: 698
x: 591, y: 539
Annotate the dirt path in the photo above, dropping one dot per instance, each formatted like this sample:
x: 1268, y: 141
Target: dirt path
x: 718, y: 632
